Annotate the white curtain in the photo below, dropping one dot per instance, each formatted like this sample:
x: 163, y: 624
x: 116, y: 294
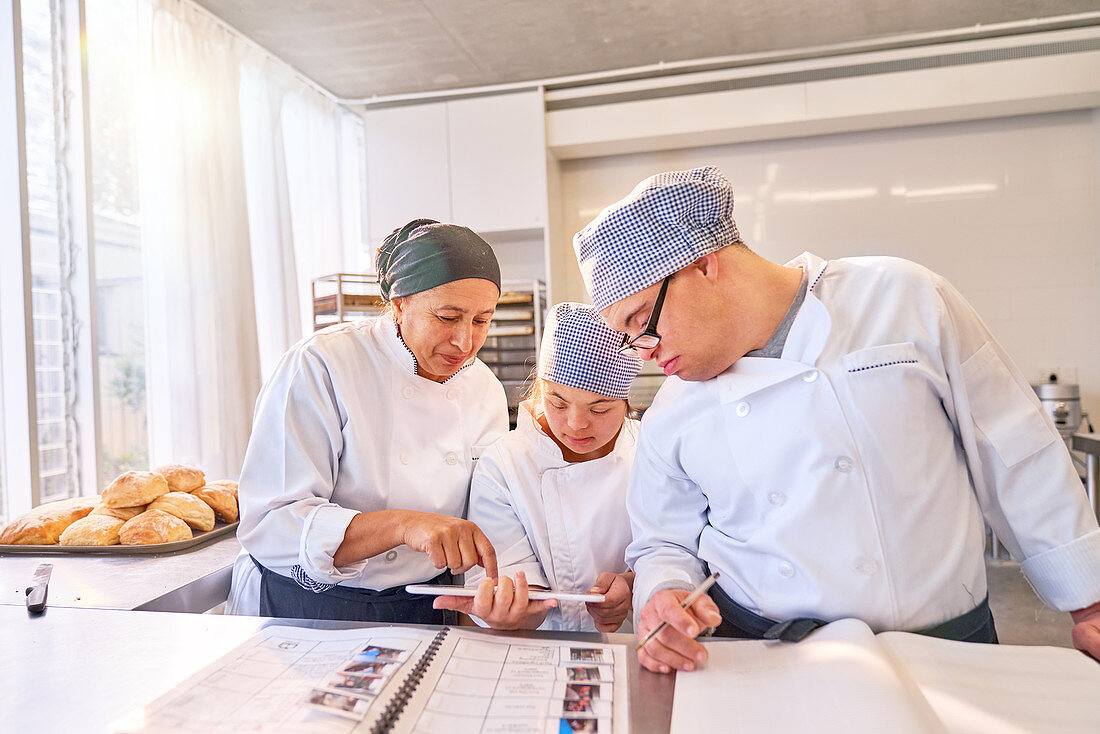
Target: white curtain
x: 203, y: 370
x: 311, y: 129
x: 250, y: 188
x: 302, y: 168
x: 278, y: 313
x: 353, y: 186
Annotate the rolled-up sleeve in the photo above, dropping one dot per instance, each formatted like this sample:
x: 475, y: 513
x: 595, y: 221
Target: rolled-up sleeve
x: 1026, y: 485
x: 289, y: 472
x: 322, y: 533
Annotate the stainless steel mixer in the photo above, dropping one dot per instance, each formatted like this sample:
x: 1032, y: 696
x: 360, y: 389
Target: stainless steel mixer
x: 1062, y: 401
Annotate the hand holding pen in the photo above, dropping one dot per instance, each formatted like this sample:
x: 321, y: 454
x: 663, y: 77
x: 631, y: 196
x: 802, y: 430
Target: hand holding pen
x: 673, y: 618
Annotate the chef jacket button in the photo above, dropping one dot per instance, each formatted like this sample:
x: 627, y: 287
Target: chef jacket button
x: 868, y: 567
x: 786, y: 570
x: 742, y: 409
x: 404, y: 458
x: 810, y: 376
x: 408, y: 391
x: 452, y: 394
x: 843, y: 464
x: 777, y: 498
x: 450, y: 458
x: 391, y: 556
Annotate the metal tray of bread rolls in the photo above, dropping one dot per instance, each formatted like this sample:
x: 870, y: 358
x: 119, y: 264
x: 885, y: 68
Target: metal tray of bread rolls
x: 200, y: 539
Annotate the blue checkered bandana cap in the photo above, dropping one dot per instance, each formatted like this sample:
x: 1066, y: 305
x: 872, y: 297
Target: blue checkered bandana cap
x: 667, y: 222
x: 580, y: 350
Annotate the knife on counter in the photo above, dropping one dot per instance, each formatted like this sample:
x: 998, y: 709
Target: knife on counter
x: 36, y: 592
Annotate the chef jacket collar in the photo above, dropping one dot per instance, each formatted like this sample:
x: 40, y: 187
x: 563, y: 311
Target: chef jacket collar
x: 752, y: 374
x: 812, y: 324
x: 404, y: 356
x: 805, y: 342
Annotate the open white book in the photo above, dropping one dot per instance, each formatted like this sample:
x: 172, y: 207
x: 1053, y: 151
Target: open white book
x: 844, y: 678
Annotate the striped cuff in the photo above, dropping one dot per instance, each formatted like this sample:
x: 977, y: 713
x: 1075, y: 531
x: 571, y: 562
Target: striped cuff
x: 299, y: 575
x: 1067, y: 578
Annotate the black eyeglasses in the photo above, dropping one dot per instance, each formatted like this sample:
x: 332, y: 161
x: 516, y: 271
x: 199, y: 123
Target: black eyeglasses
x: 649, y: 338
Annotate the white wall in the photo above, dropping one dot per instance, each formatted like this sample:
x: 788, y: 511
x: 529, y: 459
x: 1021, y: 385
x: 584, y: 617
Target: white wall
x: 1006, y: 208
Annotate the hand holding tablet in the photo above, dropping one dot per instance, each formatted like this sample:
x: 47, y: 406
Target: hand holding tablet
x: 533, y: 594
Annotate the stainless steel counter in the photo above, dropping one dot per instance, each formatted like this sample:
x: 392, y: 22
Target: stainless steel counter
x: 193, y: 581
x: 78, y: 670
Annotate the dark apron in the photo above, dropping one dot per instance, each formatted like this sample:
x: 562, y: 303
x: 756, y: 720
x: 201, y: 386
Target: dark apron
x: 974, y: 626
x: 283, y: 597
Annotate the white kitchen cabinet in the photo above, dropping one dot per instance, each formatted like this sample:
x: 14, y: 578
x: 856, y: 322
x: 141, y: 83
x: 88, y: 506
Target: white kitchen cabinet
x: 480, y: 162
x: 407, y: 166
x: 498, y: 161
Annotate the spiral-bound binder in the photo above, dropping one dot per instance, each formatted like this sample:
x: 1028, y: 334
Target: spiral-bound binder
x: 400, y: 699
x: 398, y: 680
x: 505, y: 682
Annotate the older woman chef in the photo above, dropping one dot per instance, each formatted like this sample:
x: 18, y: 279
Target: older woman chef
x: 364, y: 440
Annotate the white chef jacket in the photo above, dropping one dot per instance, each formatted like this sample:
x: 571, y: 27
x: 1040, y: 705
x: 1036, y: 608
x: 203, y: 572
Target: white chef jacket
x: 849, y: 477
x: 562, y: 524
x: 345, y: 425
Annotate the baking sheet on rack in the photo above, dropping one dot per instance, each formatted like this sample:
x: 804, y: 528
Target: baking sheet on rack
x: 200, y: 539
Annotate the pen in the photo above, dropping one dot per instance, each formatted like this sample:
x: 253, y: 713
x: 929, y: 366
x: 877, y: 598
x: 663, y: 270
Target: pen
x: 687, y: 602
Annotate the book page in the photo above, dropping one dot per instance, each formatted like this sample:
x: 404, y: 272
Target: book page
x: 308, y: 680
x: 484, y: 684
x: 838, y: 679
x: 1011, y: 689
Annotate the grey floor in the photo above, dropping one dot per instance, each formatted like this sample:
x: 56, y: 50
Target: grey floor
x: 1021, y: 618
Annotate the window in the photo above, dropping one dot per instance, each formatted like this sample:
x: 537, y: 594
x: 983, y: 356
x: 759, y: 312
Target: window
x: 112, y: 55
x: 51, y: 447
x: 74, y: 283
x: 51, y: 306
x: 3, y: 496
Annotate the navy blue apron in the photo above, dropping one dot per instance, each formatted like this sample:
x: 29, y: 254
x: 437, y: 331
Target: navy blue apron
x: 283, y: 597
x: 974, y: 626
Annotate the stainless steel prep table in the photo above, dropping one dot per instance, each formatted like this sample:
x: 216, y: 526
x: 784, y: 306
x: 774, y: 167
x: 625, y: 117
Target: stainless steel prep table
x: 191, y: 581
x: 80, y: 670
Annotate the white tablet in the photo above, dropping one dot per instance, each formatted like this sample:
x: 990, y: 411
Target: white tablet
x: 533, y: 594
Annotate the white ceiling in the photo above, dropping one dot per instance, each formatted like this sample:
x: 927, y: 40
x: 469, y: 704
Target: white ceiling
x: 364, y: 48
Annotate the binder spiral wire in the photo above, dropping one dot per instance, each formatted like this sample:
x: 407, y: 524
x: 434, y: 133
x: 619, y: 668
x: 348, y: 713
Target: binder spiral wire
x: 400, y: 699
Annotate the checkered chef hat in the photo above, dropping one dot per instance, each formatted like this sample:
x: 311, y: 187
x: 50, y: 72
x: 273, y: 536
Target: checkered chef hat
x: 580, y: 350
x: 666, y: 223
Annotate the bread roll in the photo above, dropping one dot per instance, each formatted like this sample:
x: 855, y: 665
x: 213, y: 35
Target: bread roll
x: 134, y: 488
x: 220, y: 499
x: 186, y: 507
x: 228, y: 484
x: 122, y: 513
x: 44, y: 524
x: 180, y: 477
x: 93, y: 530
x: 153, y: 526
